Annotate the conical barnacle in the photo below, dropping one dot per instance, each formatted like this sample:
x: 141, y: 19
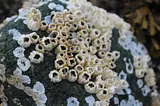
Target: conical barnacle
x: 51, y: 27
x: 34, y: 37
x: 71, y: 62
x: 150, y: 77
x: 46, y: 42
x: 90, y: 70
x: 39, y: 48
x: 54, y: 34
x: 54, y: 42
x: 101, y: 95
x: 79, y: 68
x: 80, y: 59
x: 59, y: 21
x: 78, y: 14
x: 139, y: 73
x: 34, y: 19
x: 90, y: 87
x: 72, y: 75
x: 61, y: 48
x: 55, y: 76
x: 36, y: 57
x: 99, y: 85
x: 84, y: 77
x: 60, y: 63
x: 43, y: 25
x: 25, y: 41
x: 95, y: 33
x: 70, y: 17
x: 64, y: 72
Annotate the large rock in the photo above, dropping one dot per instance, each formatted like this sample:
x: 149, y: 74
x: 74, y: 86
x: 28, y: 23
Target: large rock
x: 58, y: 93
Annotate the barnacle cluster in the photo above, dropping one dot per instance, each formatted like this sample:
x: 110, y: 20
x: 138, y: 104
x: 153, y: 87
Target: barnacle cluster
x: 80, y: 39
x: 82, y: 52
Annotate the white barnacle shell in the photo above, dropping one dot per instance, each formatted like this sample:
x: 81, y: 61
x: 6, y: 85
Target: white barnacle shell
x: 55, y: 76
x: 60, y: 63
x: 24, y: 41
x: 36, y: 57
x: 84, y: 77
x: 39, y: 48
x: 150, y: 77
x: 39, y: 88
x: 90, y: 87
x: 99, y: 85
x: 95, y: 33
x: 19, y: 52
x: 72, y: 101
x: 61, y: 48
x: 116, y: 54
x: 34, y: 37
x: 79, y: 68
x: 44, y: 25
x: 71, y: 62
x: 34, y: 19
x: 139, y: 73
x: 23, y: 63
x: 64, y: 72
x: 46, y: 42
x: 103, y: 94
x: 72, y: 75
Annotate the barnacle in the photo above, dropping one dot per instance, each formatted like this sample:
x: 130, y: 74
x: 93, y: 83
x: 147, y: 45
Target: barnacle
x: 46, y: 42
x: 90, y: 87
x: 72, y: 75
x: 39, y: 48
x: 34, y: 19
x: 55, y: 76
x: 25, y: 41
x: 34, y: 37
x: 36, y: 57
